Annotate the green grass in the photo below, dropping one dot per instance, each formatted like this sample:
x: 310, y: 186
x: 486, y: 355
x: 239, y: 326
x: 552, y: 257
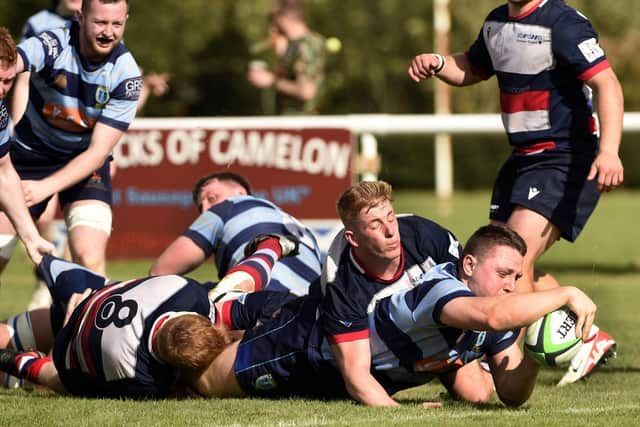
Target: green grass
x: 605, y: 262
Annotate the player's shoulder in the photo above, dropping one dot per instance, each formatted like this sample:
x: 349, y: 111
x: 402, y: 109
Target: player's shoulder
x: 559, y: 13
x: 419, y: 224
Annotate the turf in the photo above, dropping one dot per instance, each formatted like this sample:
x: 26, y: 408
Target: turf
x: 604, y: 262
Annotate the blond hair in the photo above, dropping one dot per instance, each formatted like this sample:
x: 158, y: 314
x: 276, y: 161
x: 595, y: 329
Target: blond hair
x: 362, y: 195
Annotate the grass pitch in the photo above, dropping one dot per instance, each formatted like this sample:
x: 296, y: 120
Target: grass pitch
x: 605, y: 262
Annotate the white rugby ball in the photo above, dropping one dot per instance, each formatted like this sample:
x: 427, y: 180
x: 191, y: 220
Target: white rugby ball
x: 551, y: 340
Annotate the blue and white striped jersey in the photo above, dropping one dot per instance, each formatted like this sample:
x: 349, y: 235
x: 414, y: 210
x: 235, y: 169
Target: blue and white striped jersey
x: 5, y: 128
x: 68, y: 95
x: 226, y: 228
x: 350, y: 292
x: 42, y: 21
x: 409, y: 340
x: 542, y: 59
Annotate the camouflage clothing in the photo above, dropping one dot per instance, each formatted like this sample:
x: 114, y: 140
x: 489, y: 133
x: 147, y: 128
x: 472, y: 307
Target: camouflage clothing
x: 303, y: 57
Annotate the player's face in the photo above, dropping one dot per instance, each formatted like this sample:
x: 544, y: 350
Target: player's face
x: 7, y: 77
x: 496, y: 273
x: 102, y: 28
x: 217, y: 192
x: 376, y: 232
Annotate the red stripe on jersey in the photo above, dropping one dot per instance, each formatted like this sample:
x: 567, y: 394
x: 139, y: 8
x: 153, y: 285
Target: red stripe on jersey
x: 536, y: 148
x: 225, y: 315
x: 586, y: 75
x: 533, y: 100
x: 399, y: 272
x: 527, y: 13
x: 350, y: 336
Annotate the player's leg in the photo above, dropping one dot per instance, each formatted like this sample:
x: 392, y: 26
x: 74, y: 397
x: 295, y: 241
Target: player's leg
x: 27, y: 331
x: 254, y: 272
x: 539, y: 234
x: 32, y: 366
x: 89, y: 224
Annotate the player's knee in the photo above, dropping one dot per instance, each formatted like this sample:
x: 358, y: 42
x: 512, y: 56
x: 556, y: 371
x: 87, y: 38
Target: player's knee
x: 93, y: 215
x: 20, y: 332
x: 7, y: 246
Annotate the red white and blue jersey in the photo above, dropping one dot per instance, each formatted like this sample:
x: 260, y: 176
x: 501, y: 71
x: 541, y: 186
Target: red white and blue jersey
x: 5, y: 128
x: 542, y: 59
x: 68, y: 95
x: 350, y: 292
x: 106, y: 347
x: 409, y: 343
x: 226, y: 228
x: 42, y: 21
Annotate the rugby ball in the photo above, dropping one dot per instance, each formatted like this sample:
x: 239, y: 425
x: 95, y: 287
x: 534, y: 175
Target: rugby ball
x: 551, y: 340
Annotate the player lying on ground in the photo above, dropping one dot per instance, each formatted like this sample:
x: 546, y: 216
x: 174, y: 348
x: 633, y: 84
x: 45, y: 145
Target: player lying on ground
x: 136, y: 339
x: 435, y: 330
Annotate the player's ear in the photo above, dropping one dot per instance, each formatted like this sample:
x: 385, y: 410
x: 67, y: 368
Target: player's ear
x: 469, y: 263
x: 348, y: 234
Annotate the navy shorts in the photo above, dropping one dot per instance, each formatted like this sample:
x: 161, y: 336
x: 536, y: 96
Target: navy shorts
x: 33, y: 166
x: 273, y: 359
x: 553, y: 184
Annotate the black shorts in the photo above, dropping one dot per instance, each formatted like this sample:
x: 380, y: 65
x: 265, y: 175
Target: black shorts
x: 553, y: 184
x: 274, y: 359
x: 32, y: 166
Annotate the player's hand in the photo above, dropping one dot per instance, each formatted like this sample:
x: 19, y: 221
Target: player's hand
x: 423, y: 66
x: 34, y: 192
x: 584, y: 308
x: 75, y: 301
x: 607, y: 167
x: 37, y: 248
x: 261, y: 78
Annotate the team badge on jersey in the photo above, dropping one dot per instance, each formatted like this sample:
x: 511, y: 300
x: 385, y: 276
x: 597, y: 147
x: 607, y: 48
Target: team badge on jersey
x: 102, y: 96
x: 265, y: 382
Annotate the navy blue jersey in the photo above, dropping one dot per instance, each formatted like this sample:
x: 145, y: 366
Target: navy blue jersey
x: 350, y: 292
x: 105, y: 350
x: 226, y: 228
x: 542, y: 59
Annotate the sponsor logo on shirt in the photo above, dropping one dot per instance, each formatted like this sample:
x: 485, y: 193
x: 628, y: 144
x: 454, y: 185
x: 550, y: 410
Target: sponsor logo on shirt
x: 132, y: 88
x: 4, y: 116
x: 591, y: 49
x: 533, y: 192
x: 530, y: 38
x: 50, y: 43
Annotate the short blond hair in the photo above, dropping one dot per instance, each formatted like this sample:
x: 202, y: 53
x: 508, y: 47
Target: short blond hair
x: 8, y: 52
x: 190, y: 342
x: 365, y: 194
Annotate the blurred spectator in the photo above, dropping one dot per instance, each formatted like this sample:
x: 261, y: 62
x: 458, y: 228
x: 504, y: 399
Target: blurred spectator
x: 299, y: 75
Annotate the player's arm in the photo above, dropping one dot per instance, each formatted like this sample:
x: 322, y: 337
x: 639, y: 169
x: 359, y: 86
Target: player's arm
x: 354, y: 362
x: 302, y: 88
x: 180, y: 257
x: 610, y: 108
x: 506, y: 312
x: 103, y: 140
x: 514, y: 375
x: 13, y: 205
x: 455, y: 69
x: 20, y: 96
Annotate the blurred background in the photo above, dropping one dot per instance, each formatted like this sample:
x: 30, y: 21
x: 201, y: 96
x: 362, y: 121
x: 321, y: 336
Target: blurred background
x: 206, y: 46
